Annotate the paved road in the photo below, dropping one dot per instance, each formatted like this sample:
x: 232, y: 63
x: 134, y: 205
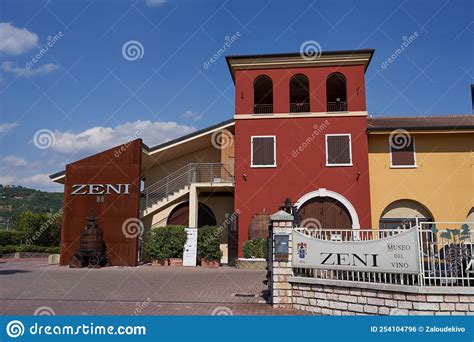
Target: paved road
x: 26, y: 285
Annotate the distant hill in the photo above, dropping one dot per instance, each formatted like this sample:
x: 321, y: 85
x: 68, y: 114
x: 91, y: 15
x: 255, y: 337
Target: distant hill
x: 15, y: 199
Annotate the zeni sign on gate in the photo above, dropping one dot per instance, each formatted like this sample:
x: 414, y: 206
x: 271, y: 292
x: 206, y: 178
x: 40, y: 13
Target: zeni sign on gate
x: 394, y: 254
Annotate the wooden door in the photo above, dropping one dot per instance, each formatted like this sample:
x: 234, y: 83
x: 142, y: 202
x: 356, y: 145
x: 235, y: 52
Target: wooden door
x: 330, y: 213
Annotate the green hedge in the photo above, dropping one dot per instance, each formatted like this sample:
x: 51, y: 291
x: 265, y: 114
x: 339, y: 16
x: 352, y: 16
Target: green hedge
x: 255, y: 248
x: 32, y: 248
x: 164, y: 243
x: 11, y: 237
x: 209, y: 239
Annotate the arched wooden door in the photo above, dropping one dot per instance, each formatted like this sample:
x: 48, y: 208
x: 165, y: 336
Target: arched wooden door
x: 329, y: 213
x: 180, y: 215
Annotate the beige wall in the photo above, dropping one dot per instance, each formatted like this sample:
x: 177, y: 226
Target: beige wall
x: 207, y: 155
x: 443, y: 180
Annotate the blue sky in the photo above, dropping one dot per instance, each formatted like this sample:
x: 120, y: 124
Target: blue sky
x: 86, y: 96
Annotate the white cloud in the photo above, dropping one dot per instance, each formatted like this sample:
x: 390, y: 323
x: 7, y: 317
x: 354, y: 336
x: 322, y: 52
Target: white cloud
x: 38, y: 181
x: 14, y: 161
x: 7, y: 127
x: 193, y: 116
x: 41, y: 70
x: 7, y: 180
x: 154, y: 3
x: 100, y: 138
x: 15, y: 41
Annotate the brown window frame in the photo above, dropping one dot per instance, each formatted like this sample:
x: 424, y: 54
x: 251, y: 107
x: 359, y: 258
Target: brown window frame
x: 402, y: 166
x: 251, y: 151
x: 328, y: 164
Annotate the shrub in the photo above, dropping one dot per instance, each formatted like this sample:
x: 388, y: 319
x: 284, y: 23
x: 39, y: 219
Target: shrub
x: 31, y: 248
x: 164, y: 242
x: 11, y: 237
x: 255, y: 248
x: 209, y: 239
x: 39, y: 228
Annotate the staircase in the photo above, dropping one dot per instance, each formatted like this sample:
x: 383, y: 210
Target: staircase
x: 178, y: 183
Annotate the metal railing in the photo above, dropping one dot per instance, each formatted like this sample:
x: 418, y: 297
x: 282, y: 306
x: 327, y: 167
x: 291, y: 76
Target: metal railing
x: 262, y: 108
x: 337, y: 106
x: 446, y: 255
x: 301, y: 107
x: 184, y: 177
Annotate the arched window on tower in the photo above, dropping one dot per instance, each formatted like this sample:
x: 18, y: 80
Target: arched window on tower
x: 299, y: 94
x: 263, y: 95
x: 336, y: 97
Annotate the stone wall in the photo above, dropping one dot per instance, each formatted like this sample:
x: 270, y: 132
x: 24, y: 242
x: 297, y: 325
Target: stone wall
x: 337, y: 300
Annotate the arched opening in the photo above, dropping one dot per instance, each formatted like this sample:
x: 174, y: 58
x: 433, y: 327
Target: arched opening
x: 324, y: 213
x: 336, y: 97
x: 404, y: 214
x: 329, y: 208
x: 299, y: 94
x: 180, y: 215
x: 263, y: 95
x: 470, y: 220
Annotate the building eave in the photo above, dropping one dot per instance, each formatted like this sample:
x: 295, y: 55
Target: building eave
x: 287, y: 60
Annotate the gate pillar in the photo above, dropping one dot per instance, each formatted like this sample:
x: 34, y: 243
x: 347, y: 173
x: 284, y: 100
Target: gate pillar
x: 281, y: 259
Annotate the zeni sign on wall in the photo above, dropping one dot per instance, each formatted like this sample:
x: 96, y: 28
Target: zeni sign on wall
x: 394, y: 254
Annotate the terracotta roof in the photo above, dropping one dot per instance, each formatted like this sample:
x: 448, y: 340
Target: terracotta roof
x: 421, y: 122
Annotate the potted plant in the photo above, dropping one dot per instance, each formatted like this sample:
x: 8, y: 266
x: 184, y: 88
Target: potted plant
x: 154, y: 247
x: 209, y: 252
x: 175, y: 240
x: 255, y: 253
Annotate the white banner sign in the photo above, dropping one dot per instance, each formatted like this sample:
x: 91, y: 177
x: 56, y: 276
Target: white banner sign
x: 394, y: 254
x: 190, y: 248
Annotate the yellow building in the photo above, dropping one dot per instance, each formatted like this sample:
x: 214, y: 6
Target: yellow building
x: 421, y: 169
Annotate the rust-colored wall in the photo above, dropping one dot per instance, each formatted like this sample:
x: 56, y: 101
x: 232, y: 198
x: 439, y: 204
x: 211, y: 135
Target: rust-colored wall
x: 119, y: 165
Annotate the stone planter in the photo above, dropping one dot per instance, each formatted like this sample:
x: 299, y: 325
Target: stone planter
x: 159, y: 263
x: 210, y: 264
x: 53, y: 259
x: 176, y: 262
x: 251, y: 264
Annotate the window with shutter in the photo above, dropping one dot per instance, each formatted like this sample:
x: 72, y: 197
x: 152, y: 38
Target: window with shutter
x: 263, y: 151
x: 404, y: 155
x: 338, y: 150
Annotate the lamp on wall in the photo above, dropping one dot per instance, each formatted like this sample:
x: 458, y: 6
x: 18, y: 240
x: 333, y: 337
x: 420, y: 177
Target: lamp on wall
x: 244, y: 176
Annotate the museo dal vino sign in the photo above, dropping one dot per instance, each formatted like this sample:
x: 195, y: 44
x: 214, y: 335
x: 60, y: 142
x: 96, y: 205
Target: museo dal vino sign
x: 394, y: 254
